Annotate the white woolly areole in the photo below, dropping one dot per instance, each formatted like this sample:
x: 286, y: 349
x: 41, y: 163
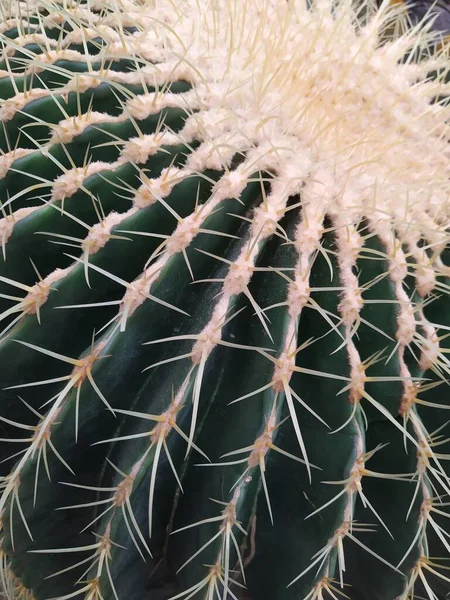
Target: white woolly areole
x: 82, y: 82
x: 7, y: 223
x: 70, y: 182
x: 184, y: 233
x: 35, y: 38
x: 8, y: 108
x: 100, y: 233
x: 51, y: 56
x: 67, y: 129
x: 38, y: 293
x: 78, y: 36
x: 140, y: 149
x: 141, y: 107
x: 7, y: 159
x: 154, y: 189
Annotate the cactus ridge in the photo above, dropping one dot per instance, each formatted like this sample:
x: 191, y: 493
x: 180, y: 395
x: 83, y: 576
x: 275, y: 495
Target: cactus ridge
x: 224, y: 301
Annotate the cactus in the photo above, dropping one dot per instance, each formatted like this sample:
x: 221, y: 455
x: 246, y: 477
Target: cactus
x: 224, y: 301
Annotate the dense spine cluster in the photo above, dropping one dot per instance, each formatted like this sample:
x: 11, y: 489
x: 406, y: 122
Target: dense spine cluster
x: 224, y: 301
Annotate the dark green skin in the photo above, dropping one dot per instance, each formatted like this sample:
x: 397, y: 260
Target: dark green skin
x: 275, y: 552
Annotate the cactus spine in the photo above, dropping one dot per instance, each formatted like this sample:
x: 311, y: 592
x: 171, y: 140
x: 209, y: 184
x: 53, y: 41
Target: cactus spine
x: 224, y: 290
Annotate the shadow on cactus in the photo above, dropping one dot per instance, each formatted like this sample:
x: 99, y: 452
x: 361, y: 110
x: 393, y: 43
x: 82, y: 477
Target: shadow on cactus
x: 224, y: 301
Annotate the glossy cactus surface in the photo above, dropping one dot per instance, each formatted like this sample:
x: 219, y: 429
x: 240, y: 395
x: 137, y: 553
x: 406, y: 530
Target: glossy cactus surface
x: 224, y: 301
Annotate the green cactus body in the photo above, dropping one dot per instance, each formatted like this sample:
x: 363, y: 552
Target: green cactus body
x: 224, y: 302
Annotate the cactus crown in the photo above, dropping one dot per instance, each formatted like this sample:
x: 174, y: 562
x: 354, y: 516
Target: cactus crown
x: 224, y: 233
